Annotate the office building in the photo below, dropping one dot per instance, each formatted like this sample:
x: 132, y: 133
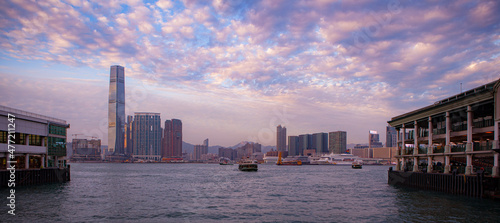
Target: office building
x: 200, y: 150
x: 281, y: 138
x: 39, y: 141
x: 129, y: 140
x: 320, y: 143
x: 337, y: 142
x: 293, y: 145
x: 116, y: 110
x: 373, y: 140
x: 172, y: 139
x: 227, y: 153
x: 391, y: 137
x: 305, y: 142
x: 147, y: 135
x: 248, y: 150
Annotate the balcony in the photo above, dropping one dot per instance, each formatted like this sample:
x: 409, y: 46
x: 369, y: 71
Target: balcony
x: 439, y: 131
x: 483, y: 122
x: 458, y: 148
x: 483, y: 146
x: 459, y: 126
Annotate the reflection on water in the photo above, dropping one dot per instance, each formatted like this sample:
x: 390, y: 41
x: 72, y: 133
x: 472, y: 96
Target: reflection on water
x: 207, y: 192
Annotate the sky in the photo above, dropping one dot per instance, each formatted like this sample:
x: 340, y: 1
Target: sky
x: 234, y: 70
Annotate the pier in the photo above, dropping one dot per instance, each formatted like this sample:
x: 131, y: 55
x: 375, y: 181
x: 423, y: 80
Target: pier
x: 451, y: 145
x: 28, y: 177
x: 467, y: 185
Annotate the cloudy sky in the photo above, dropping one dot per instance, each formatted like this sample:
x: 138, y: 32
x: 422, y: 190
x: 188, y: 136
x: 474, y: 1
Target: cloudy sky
x: 234, y: 70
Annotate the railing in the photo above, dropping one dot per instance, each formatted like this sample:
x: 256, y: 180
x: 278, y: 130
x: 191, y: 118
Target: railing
x: 439, y: 131
x: 458, y: 148
x: 483, y: 122
x: 483, y: 146
x: 459, y: 126
x: 407, y: 151
x: 438, y: 149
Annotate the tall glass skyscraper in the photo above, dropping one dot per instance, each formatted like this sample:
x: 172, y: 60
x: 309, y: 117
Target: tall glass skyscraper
x: 281, y: 138
x: 337, y: 142
x: 116, y: 110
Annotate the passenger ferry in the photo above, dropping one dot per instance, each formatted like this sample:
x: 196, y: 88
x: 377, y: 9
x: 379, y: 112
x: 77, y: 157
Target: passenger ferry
x: 337, y: 159
x: 248, y: 166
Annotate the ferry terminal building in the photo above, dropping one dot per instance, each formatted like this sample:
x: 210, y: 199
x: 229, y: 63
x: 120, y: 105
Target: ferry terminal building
x: 459, y: 134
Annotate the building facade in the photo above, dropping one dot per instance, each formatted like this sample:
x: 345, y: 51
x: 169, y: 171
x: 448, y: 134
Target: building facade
x: 459, y: 133
x: 147, y: 135
x: 337, y: 142
x: 281, y: 138
x: 228, y: 153
x: 86, y: 150
x: 116, y: 110
x: 39, y: 141
x: 172, y: 139
x: 293, y: 145
x: 320, y: 143
x: 391, y: 137
x: 129, y: 138
x: 374, y: 140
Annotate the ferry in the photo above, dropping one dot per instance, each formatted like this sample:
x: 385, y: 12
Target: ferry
x: 337, y: 159
x: 225, y: 161
x: 248, y: 166
x: 357, y: 165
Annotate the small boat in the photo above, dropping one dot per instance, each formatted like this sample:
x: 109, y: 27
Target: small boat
x: 248, y: 166
x: 225, y: 162
x: 357, y: 165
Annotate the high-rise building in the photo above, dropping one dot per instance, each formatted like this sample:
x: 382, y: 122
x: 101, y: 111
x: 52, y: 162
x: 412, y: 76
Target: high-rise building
x: 320, y: 142
x: 227, y: 153
x: 129, y: 145
x: 172, y: 139
x: 293, y: 145
x: 248, y: 150
x: 147, y: 136
x: 305, y: 142
x: 116, y: 110
x: 281, y: 138
x: 200, y: 150
x: 337, y: 142
x: 373, y: 140
x: 391, y: 137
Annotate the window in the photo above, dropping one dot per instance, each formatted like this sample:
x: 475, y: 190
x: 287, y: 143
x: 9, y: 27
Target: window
x: 35, y: 140
x: 57, y: 130
x: 3, y: 137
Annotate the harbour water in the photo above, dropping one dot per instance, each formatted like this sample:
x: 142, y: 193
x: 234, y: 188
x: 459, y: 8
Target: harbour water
x: 116, y: 192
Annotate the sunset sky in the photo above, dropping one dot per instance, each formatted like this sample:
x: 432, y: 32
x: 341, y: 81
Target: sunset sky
x: 233, y: 70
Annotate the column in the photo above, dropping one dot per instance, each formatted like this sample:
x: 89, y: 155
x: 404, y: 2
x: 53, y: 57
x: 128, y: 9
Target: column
x: 415, y: 138
x: 447, y: 146
x: 403, y: 164
x: 398, y: 151
x: 27, y: 161
x: 429, y: 146
x: 496, y: 169
x: 415, y: 164
x: 468, y: 147
x: 468, y: 168
x: 403, y: 144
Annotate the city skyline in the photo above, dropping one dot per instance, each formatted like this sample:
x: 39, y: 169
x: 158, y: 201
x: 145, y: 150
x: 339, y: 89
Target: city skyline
x: 232, y: 71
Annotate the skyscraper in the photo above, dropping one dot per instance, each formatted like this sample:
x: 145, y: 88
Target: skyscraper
x: 116, y: 110
x: 172, y: 139
x: 147, y: 136
x: 337, y: 142
x: 293, y: 145
x: 320, y: 142
x: 281, y: 138
x: 391, y: 137
x: 373, y: 140
x: 129, y: 145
